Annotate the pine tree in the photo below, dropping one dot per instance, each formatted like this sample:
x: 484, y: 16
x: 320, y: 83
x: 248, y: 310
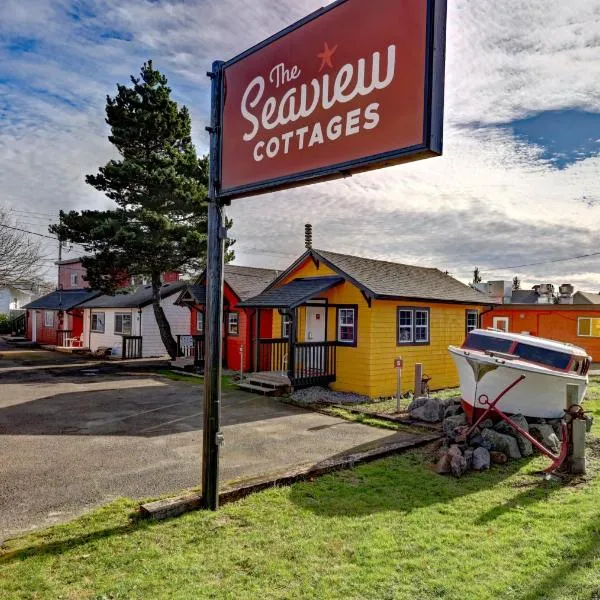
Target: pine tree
x: 516, y: 283
x: 159, y: 187
x: 476, y: 275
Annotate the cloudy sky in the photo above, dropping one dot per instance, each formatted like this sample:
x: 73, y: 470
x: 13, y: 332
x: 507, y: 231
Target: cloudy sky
x: 519, y: 182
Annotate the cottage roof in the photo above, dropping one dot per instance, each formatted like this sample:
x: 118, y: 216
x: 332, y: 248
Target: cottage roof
x: 586, y: 298
x: 525, y: 297
x: 294, y: 293
x: 141, y: 297
x: 383, y: 279
x: 62, y: 299
x: 245, y: 282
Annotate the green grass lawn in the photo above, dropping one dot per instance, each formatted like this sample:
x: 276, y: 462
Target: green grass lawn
x: 388, y: 529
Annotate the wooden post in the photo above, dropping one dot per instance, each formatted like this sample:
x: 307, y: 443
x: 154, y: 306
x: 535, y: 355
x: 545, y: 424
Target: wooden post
x: 256, y: 340
x: 577, y: 428
x: 212, y: 436
x: 418, y: 380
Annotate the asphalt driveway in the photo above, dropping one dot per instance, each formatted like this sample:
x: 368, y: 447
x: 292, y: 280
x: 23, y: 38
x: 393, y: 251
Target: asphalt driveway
x: 72, y: 442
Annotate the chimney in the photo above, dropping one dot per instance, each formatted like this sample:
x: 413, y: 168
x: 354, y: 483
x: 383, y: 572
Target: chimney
x: 308, y: 236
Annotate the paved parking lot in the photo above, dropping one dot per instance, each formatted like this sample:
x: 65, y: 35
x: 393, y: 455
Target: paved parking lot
x: 71, y: 442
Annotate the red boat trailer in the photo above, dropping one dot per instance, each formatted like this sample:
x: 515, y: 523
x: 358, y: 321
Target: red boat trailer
x: 557, y: 459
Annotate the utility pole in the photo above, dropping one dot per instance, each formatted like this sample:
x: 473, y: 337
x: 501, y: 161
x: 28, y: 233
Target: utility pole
x: 212, y: 436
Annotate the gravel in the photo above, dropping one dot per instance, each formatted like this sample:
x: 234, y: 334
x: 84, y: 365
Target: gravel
x: 320, y: 395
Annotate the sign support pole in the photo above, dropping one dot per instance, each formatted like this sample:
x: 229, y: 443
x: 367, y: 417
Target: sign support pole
x: 212, y: 436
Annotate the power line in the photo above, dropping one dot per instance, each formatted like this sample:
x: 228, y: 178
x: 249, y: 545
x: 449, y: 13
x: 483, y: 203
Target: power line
x: 543, y: 262
x: 25, y: 231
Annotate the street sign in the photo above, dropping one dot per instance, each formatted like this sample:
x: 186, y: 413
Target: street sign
x: 354, y: 86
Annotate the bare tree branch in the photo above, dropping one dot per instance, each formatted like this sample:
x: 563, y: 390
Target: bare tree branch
x: 21, y: 257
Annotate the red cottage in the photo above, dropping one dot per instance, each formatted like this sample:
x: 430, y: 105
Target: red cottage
x: 241, y: 283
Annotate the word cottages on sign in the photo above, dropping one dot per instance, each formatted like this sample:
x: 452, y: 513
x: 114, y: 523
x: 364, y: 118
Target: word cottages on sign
x: 348, y: 88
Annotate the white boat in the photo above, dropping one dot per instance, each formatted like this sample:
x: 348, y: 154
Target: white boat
x: 490, y: 360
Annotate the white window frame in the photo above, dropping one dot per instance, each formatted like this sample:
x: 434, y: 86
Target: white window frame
x: 127, y: 315
x: 591, y: 320
x: 471, y: 313
x: 235, y: 323
x: 199, y: 321
x: 405, y: 326
x: 424, y: 340
x: 286, y: 325
x: 347, y: 310
x: 497, y: 320
x: 49, y: 322
x: 74, y: 280
x: 103, y: 322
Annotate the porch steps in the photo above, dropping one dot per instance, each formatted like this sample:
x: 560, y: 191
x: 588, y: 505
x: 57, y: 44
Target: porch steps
x: 265, y: 384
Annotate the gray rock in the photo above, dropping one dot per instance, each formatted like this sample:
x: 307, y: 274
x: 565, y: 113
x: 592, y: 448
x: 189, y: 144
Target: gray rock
x: 476, y: 440
x: 556, y: 426
x: 443, y: 464
x: 458, y: 464
x: 589, y: 421
x: 486, y: 424
x: 502, y: 443
x: 498, y: 458
x: 469, y: 453
x: 430, y: 411
x: 453, y: 410
x: 544, y: 433
x: 417, y: 402
x: 451, y: 423
x: 481, y: 459
x: 525, y: 447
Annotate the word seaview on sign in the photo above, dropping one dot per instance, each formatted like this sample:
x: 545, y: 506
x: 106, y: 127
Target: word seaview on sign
x: 354, y: 86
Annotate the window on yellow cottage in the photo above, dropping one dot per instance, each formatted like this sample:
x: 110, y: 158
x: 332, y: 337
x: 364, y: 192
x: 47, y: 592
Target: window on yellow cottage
x: 199, y: 322
x: 233, y: 323
x: 588, y: 327
x: 286, y: 325
x: 123, y: 323
x: 346, y: 325
x: 49, y: 318
x: 98, y: 322
x: 412, y: 326
x: 471, y: 320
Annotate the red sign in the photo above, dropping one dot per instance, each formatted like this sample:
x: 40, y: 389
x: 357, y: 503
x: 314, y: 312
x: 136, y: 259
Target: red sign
x: 355, y: 86
x: 397, y: 363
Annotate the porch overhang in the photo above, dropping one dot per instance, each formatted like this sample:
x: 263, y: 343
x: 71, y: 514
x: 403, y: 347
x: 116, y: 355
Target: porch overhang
x: 293, y: 294
x: 191, y: 295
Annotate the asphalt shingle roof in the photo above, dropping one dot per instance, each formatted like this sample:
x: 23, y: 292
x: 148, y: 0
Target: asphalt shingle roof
x: 525, y: 297
x: 138, y: 299
x: 62, y: 299
x: 396, y: 280
x: 247, y: 282
x: 586, y: 298
x: 294, y: 293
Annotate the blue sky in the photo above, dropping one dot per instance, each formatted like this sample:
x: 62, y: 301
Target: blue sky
x: 519, y: 181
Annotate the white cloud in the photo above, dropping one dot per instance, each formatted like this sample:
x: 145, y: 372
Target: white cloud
x: 489, y: 201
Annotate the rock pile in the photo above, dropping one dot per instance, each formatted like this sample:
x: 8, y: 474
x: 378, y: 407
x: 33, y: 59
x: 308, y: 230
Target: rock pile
x: 490, y: 443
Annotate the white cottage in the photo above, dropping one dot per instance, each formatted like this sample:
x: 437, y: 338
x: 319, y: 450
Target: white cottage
x: 14, y: 297
x: 128, y: 319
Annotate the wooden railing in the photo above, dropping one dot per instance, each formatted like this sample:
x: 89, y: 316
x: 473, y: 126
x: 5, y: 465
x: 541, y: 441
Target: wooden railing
x: 308, y: 363
x: 312, y: 363
x: 18, y: 325
x: 62, y: 335
x: 191, y: 346
x: 273, y: 354
x: 132, y: 346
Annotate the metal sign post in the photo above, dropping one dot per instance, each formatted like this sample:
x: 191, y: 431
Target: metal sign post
x: 398, y: 367
x: 212, y: 436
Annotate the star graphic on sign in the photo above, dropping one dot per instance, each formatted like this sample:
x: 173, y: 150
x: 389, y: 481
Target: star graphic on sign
x: 325, y: 56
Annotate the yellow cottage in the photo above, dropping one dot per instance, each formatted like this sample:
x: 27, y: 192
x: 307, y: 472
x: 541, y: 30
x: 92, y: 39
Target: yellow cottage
x: 341, y: 320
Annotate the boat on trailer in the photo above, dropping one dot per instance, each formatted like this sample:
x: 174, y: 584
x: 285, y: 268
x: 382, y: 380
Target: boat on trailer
x: 533, y: 375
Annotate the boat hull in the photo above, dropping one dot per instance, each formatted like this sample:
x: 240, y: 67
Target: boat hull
x: 539, y: 395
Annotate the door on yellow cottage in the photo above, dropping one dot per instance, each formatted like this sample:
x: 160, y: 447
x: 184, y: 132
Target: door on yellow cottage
x: 314, y: 357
